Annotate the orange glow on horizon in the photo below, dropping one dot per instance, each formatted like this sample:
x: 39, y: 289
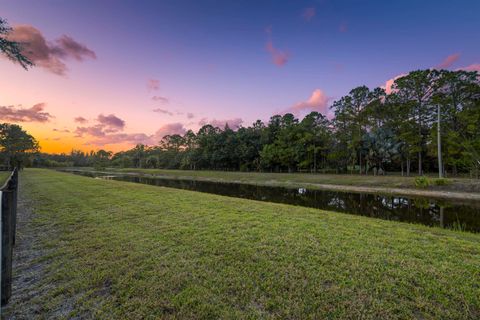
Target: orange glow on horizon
x: 60, y: 142
x: 65, y: 145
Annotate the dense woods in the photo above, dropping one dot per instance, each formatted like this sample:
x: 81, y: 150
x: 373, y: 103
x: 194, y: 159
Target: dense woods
x: 371, y: 132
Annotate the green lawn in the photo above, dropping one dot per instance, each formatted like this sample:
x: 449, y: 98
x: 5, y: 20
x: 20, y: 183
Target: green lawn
x: 132, y: 251
x: 300, y: 179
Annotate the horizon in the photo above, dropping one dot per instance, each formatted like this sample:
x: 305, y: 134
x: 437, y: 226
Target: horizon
x: 102, y: 83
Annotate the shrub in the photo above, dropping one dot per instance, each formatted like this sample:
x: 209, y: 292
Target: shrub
x: 441, y: 182
x: 422, y: 182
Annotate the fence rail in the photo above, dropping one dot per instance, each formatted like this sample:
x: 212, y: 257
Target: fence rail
x: 8, y: 198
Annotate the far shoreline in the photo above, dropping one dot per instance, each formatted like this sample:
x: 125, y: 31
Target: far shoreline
x: 300, y: 180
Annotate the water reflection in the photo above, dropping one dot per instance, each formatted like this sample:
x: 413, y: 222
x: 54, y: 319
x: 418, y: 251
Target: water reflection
x: 453, y: 214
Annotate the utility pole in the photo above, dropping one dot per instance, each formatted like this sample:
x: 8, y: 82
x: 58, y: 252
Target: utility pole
x: 439, y: 145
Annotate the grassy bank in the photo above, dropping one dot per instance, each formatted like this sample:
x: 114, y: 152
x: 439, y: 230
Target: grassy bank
x: 118, y: 250
x: 395, y: 181
x: 455, y: 188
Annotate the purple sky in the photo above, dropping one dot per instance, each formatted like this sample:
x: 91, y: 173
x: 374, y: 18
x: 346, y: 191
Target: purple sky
x: 134, y: 70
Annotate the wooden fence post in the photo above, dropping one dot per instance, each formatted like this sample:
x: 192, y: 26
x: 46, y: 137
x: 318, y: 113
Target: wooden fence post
x: 8, y: 227
x: 7, y: 246
x: 14, y: 187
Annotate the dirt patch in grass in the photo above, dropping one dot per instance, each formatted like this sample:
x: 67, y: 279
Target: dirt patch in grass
x: 32, y: 268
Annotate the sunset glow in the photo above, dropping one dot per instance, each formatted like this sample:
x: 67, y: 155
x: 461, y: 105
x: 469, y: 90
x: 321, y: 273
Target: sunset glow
x: 112, y: 74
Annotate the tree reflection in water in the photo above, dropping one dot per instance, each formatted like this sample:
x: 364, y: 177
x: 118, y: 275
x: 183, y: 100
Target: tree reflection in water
x: 446, y: 214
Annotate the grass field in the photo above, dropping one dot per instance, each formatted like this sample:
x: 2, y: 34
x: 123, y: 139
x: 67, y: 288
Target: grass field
x: 298, y: 179
x: 116, y: 250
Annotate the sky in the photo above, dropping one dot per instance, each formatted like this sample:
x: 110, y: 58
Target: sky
x: 111, y: 74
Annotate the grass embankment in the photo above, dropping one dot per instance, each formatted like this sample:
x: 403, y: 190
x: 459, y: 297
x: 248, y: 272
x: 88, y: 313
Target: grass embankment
x: 455, y: 188
x: 133, y: 251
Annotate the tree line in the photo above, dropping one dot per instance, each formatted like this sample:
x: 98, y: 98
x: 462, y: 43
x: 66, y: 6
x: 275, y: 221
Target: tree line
x: 371, y: 132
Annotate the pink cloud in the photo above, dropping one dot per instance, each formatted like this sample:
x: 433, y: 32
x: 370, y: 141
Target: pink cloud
x: 139, y: 138
x: 472, y: 67
x: 104, y: 125
x: 279, y: 57
x: 111, y: 123
x: 49, y: 55
x: 233, y: 123
x: 389, y: 83
x: 318, y: 101
x: 100, y: 137
x: 163, y: 111
x: 160, y: 99
x: 448, y: 61
x: 94, y: 131
x: 67, y: 47
x: 168, y: 129
x: 81, y: 120
x: 190, y: 115
x: 309, y: 13
x: 33, y: 114
x: 128, y: 138
x: 153, y: 84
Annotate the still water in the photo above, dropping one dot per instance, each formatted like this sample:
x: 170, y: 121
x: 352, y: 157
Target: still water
x: 464, y: 215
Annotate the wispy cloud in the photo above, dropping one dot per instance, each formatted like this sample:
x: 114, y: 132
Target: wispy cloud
x: 108, y: 130
x: 163, y: 111
x: 343, y: 27
x: 279, y: 57
x: 138, y: 138
x: 471, y: 67
x: 49, y: 55
x: 67, y: 47
x: 94, y: 131
x: 309, y: 13
x: 153, y: 85
x: 33, y: 114
x: 80, y: 120
x: 124, y: 138
x: 448, y: 61
x: 160, y: 99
